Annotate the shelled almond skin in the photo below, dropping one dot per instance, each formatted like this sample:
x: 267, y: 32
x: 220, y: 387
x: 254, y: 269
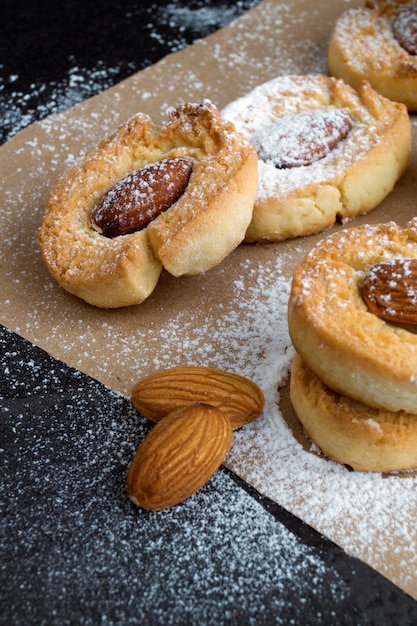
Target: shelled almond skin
x: 178, y: 456
x: 390, y: 290
x: 239, y: 398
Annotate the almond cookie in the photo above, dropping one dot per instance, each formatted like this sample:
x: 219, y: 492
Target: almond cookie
x: 348, y: 431
x: 178, y: 196
x: 357, y: 346
x: 378, y: 43
x: 326, y: 152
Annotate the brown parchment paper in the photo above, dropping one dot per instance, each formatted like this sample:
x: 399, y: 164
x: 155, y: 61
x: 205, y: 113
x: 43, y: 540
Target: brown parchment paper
x: 204, y: 319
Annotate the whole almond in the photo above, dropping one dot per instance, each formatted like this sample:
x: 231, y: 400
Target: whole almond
x: 178, y: 456
x: 303, y: 138
x: 240, y: 399
x: 138, y: 198
x: 390, y: 290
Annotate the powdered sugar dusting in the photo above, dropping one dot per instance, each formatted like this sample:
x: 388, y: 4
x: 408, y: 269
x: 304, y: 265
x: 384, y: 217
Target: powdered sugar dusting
x: 404, y: 27
x: 366, y: 514
x: 166, y: 27
x: 301, y: 139
x: 293, y: 98
x: 381, y: 50
x: 79, y: 546
x: 80, y: 83
x: 246, y: 331
x: 135, y: 200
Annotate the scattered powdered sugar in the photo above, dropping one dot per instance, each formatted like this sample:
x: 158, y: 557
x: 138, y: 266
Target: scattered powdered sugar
x: 201, y: 18
x: 366, y: 514
x: 369, y: 515
x: 301, y: 139
x: 379, y: 52
x: 135, y: 200
x: 79, y: 83
x: 398, y: 273
x: 258, y: 112
x: 404, y: 27
x: 166, y: 27
x: 82, y: 552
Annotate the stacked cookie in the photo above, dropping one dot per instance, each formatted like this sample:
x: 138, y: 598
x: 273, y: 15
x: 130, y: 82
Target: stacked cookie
x: 353, y: 322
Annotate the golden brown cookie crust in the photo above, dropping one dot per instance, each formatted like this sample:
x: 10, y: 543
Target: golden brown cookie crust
x: 352, y: 350
x: 362, y: 46
x: 351, y: 180
x: 349, y: 432
x: 195, y: 233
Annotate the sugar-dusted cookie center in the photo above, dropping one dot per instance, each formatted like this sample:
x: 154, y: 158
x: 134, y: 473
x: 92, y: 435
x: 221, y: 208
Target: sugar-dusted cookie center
x: 303, y: 138
x: 404, y: 27
x: 390, y: 290
x: 138, y: 198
